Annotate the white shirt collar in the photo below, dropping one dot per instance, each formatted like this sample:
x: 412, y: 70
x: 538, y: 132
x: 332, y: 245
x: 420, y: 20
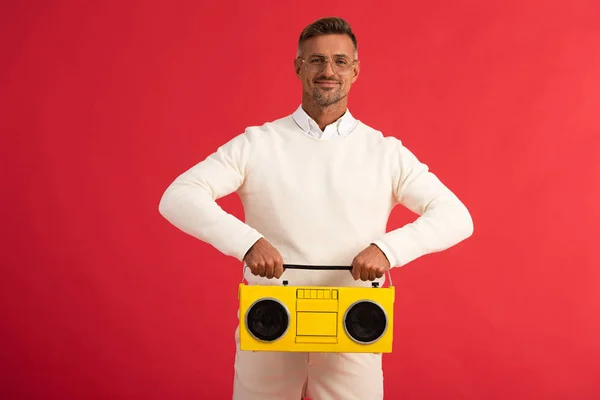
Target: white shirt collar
x: 341, y: 127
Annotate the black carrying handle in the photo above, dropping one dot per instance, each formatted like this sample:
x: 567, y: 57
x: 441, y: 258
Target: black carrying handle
x: 318, y: 267
x: 321, y: 268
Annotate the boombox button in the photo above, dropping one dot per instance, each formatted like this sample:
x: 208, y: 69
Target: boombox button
x: 285, y: 283
x: 375, y: 284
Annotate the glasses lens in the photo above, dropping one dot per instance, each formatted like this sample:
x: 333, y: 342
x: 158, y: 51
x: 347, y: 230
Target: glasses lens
x: 340, y: 67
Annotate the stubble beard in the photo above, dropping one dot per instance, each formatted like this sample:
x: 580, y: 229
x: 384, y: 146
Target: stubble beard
x: 327, y: 98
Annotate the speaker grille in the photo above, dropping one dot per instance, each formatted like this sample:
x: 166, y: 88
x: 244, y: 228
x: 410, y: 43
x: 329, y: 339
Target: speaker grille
x: 267, y: 320
x: 365, y: 322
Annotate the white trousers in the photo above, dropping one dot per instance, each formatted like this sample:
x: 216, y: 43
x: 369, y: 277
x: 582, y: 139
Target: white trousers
x: 317, y: 376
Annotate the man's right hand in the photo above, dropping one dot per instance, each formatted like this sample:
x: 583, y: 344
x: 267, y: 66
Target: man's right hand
x: 264, y: 260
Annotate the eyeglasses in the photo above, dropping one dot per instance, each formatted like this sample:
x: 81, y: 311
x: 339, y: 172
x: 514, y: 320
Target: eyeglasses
x: 340, y: 65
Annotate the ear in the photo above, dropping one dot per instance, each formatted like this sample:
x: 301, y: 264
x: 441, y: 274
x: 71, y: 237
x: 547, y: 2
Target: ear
x: 356, y: 71
x: 297, y: 67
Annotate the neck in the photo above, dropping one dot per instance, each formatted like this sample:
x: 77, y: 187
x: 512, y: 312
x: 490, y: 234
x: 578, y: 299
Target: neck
x: 324, y: 115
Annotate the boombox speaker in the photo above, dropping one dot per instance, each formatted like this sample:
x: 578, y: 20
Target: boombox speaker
x: 292, y: 318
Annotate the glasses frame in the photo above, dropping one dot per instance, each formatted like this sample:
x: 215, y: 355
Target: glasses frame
x: 334, y: 67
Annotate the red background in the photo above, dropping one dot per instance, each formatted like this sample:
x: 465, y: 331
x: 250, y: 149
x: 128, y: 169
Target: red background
x: 103, y: 104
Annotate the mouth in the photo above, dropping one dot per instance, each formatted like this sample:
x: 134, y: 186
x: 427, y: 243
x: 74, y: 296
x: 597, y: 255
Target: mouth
x: 326, y: 84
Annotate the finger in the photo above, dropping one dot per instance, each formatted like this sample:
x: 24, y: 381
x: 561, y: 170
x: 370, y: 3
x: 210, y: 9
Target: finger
x: 380, y: 273
x: 364, y: 273
x: 372, y: 274
x: 278, y: 269
x: 269, y: 266
x: 355, y: 271
x: 261, y: 269
x: 252, y: 267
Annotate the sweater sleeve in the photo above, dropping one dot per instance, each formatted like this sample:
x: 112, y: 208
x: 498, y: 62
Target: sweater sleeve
x: 189, y: 202
x: 443, y: 219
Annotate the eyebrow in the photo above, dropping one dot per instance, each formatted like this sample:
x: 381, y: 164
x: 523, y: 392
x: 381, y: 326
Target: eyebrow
x: 335, y: 55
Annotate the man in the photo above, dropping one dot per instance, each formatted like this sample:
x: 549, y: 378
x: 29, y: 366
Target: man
x: 317, y: 188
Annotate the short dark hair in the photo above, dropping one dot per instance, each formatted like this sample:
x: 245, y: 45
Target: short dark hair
x: 328, y: 26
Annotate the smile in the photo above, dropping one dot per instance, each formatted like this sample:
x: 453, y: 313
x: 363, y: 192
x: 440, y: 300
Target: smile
x: 326, y: 83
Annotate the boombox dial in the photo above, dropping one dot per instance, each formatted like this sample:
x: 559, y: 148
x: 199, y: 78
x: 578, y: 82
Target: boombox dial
x: 267, y: 319
x: 365, y: 322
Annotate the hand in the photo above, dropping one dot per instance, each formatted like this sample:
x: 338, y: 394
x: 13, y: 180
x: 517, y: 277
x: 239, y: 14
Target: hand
x: 264, y: 260
x: 369, y: 264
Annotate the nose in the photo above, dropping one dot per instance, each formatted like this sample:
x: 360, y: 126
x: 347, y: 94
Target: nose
x: 328, y: 69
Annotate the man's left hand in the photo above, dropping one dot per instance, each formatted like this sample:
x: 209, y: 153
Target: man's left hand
x: 369, y: 264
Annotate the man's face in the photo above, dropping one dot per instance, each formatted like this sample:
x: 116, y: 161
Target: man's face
x: 330, y: 81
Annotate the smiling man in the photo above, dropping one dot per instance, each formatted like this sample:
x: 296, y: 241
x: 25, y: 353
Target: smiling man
x: 317, y: 187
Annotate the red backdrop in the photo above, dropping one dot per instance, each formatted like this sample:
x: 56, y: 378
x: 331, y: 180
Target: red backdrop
x: 105, y: 103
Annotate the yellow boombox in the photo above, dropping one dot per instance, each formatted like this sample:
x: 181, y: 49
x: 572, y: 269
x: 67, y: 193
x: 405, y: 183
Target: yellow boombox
x: 316, y: 318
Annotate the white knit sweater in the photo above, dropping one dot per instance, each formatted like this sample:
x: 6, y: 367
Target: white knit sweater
x: 319, y: 202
